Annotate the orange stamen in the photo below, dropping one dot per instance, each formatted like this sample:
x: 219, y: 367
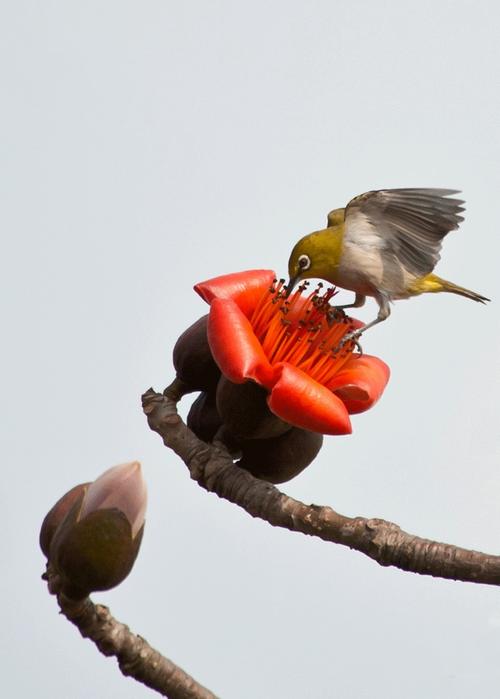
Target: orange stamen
x: 299, y: 330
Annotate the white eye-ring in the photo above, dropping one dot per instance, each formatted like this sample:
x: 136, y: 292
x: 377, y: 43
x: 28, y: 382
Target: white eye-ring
x: 304, y: 262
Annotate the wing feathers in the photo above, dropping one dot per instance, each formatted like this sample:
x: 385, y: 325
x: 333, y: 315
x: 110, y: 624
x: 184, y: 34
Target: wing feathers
x: 411, y: 223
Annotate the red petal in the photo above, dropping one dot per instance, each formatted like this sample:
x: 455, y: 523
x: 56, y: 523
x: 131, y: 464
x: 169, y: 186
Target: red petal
x: 234, y: 345
x: 360, y: 382
x: 357, y: 324
x: 305, y: 403
x: 245, y: 288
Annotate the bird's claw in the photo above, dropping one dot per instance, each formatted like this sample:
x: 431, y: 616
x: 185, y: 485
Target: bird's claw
x: 350, y: 337
x: 357, y: 345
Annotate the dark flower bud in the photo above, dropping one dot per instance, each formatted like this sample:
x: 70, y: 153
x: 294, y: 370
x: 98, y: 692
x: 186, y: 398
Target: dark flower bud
x: 282, y: 458
x: 96, y: 544
x: 193, y: 359
x: 55, y: 516
x: 203, y: 418
x: 244, y: 411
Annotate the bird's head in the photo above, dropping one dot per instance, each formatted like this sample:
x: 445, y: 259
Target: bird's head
x: 314, y: 256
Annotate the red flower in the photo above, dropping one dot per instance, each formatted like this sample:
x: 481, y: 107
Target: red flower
x: 286, y: 345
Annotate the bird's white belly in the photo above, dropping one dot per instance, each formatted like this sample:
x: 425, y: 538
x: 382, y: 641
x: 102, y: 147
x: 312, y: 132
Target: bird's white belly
x: 360, y: 268
x: 372, y: 270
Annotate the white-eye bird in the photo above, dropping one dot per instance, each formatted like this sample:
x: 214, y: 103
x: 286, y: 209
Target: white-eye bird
x: 384, y: 244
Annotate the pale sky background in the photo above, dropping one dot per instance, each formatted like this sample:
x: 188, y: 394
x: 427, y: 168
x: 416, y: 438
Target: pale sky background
x: 149, y: 145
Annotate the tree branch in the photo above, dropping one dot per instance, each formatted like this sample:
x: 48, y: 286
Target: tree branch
x: 136, y: 658
x: 386, y: 543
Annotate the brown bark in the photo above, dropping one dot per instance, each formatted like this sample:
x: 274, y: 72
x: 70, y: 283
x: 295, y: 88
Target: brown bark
x: 212, y: 467
x: 136, y: 658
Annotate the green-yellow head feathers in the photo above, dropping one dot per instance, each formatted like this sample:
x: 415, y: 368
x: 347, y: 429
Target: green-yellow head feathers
x: 315, y: 256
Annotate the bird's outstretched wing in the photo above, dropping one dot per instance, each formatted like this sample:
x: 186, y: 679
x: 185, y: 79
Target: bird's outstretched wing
x: 409, y: 223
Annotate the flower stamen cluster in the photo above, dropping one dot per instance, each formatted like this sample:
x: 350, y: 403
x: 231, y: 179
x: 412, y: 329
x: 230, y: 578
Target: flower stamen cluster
x: 298, y: 329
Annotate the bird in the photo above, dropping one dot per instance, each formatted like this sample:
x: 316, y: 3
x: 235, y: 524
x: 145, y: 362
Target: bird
x: 384, y: 244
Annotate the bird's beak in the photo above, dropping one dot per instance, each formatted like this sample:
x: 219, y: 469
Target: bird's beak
x: 291, y: 284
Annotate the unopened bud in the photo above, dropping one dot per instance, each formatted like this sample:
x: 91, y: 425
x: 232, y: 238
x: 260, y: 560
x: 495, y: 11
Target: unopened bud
x: 280, y: 459
x: 55, y: 516
x: 203, y: 418
x: 122, y: 488
x: 96, y: 544
x: 193, y: 359
x: 244, y: 411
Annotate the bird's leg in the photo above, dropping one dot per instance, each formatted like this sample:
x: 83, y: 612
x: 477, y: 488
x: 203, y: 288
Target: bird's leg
x: 332, y: 315
x: 384, y: 312
x: 359, y: 300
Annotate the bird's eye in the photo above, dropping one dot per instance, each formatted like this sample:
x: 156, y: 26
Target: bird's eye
x: 304, y: 262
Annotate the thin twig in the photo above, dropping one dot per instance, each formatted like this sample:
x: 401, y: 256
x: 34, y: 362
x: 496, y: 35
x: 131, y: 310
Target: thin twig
x: 386, y: 543
x: 136, y: 658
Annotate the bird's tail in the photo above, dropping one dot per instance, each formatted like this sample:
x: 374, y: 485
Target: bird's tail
x: 434, y: 284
